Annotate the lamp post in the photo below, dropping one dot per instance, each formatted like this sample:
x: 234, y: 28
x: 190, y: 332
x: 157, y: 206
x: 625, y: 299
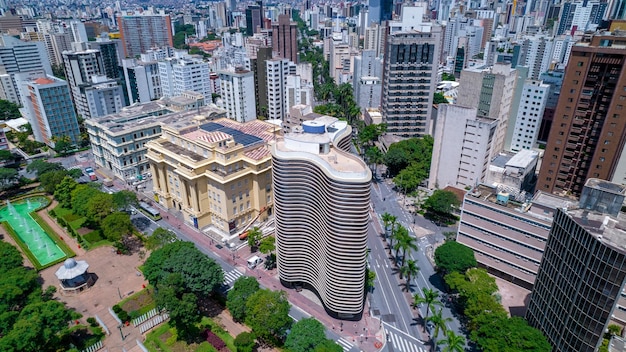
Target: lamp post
x: 121, y: 332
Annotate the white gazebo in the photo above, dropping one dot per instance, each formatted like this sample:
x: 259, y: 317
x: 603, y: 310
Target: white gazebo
x: 74, y: 276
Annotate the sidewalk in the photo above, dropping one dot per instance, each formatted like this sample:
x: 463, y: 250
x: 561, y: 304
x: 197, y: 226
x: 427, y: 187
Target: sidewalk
x: 366, y: 334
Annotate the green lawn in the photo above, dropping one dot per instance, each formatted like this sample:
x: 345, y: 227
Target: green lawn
x: 139, y: 303
x: 163, y: 338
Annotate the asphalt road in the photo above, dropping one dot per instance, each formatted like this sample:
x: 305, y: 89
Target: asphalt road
x: 388, y: 296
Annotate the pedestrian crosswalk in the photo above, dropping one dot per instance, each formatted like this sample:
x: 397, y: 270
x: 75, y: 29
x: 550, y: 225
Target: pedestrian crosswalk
x: 230, y: 277
x: 347, y: 346
x: 403, y: 342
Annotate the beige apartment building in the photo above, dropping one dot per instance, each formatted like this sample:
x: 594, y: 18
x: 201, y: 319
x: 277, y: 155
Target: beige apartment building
x: 216, y: 173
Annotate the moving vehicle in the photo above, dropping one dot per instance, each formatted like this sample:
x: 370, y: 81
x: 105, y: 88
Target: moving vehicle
x: 254, y: 261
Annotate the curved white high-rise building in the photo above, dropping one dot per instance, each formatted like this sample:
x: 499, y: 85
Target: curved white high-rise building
x: 322, y: 199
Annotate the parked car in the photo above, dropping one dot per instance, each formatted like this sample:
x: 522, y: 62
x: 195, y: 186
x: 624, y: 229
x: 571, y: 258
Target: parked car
x: 89, y: 170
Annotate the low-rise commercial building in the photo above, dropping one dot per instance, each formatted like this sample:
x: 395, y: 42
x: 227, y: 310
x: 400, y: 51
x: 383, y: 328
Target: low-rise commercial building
x: 507, y: 236
x: 118, y: 141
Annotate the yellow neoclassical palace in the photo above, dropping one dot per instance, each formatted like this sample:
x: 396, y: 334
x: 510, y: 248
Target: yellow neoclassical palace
x: 217, y: 173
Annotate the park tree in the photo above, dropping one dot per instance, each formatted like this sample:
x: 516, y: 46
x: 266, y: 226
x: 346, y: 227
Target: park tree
x: 40, y: 167
x: 243, y: 288
x: 182, y: 306
x: 63, y: 192
x: 441, y: 205
x: 267, y: 313
x: 505, y: 334
x: 50, y: 180
x: 9, y: 110
x: 39, y: 327
x: 201, y: 274
x: 305, y: 335
x: 410, y: 177
x: 245, y: 342
x: 159, y: 238
x: 454, y: 256
x: 99, y: 207
x: 10, y: 257
x: 116, y: 225
x: 81, y: 195
x: 8, y: 177
x: 122, y: 200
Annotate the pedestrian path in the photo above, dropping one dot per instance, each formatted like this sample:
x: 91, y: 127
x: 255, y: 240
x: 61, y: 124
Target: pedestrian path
x: 347, y: 346
x: 230, y: 277
x: 402, y: 341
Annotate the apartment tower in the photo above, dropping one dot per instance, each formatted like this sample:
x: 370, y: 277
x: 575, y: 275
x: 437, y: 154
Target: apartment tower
x: 322, y: 197
x: 587, y: 135
x: 49, y: 110
x: 140, y: 32
x: 237, y: 89
x: 285, y: 38
x: 579, y: 288
x: 409, y: 81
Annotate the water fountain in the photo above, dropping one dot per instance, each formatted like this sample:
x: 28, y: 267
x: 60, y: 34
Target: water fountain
x: 11, y: 208
x: 39, y: 243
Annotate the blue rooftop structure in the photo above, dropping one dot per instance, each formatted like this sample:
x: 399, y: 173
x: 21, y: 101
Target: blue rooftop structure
x: 239, y: 137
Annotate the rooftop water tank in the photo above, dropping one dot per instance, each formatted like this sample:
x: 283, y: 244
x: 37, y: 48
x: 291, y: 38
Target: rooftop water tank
x: 313, y: 127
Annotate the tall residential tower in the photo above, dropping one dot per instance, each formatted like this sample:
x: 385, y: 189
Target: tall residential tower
x: 322, y: 197
x: 587, y: 135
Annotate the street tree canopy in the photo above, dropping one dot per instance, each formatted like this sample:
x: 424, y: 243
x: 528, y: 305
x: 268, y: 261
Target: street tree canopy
x: 200, y: 274
x: 305, y: 335
x: 415, y: 152
x: 124, y: 199
x: 510, y: 335
x: 453, y: 256
x: 267, y: 313
x: 442, y: 203
x: 159, y: 238
x: 243, y: 288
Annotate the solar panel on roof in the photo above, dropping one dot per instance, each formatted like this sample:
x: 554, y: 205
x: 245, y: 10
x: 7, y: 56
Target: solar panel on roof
x: 239, y: 137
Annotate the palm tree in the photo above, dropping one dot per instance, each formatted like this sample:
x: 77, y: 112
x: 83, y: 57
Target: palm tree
x: 430, y: 299
x: 453, y: 342
x: 408, y: 242
x: 386, y: 218
x: 439, y: 323
x: 393, y: 228
x: 402, y: 237
x: 409, y: 269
